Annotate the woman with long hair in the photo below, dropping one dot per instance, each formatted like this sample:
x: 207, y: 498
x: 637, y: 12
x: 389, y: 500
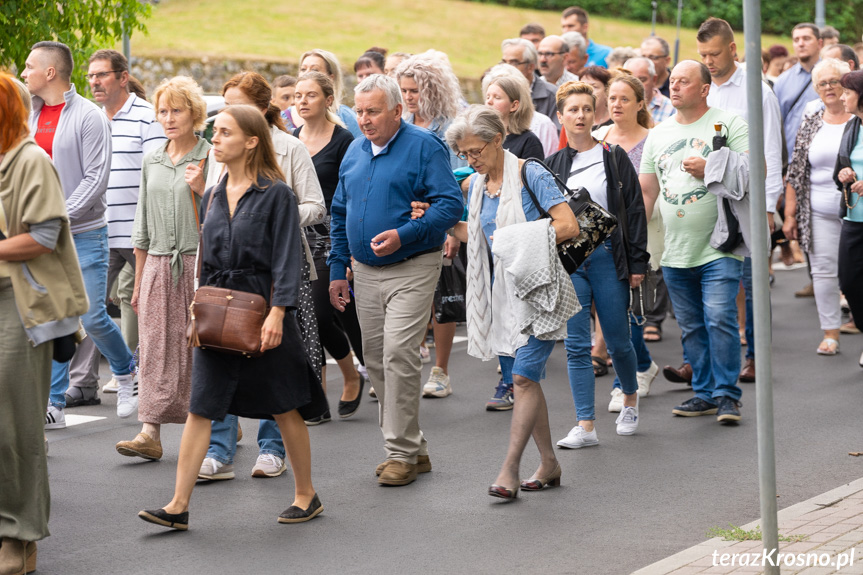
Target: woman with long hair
x: 251, y: 242
x: 250, y: 88
x: 165, y: 237
x: 510, y: 97
x: 327, y: 141
x: 42, y: 295
x: 325, y: 62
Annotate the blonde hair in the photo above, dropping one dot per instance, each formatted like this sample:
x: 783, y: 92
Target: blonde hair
x: 334, y: 69
x: 439, y: 90
x: 516, y: 88
x: 183, y: 92
x: 568, y: 89
x: 325, y: 83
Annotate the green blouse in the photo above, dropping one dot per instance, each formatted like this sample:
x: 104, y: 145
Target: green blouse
x: 165, y: 223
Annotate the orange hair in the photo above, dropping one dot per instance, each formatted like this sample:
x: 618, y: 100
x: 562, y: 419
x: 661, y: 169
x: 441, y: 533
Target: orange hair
x: 13, y: 114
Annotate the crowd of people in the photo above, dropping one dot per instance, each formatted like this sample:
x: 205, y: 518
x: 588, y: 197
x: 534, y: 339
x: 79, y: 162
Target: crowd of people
x: 341, y: 218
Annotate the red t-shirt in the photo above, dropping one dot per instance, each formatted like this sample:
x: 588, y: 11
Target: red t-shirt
x: 49, y: 117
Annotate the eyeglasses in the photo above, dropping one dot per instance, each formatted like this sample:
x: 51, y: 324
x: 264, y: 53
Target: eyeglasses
x: 472, y: 154
x: 827, y: 84
x: 656, y: 58
x: 101, y: 75
x: 515, y: 63
x: 548, y: 54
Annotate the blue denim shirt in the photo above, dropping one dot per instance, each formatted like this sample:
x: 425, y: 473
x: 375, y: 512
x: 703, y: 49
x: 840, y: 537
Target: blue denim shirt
x: 788, y: 86
x: 375, y: 194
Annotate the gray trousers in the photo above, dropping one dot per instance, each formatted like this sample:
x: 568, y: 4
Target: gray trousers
x: 84, y: 369
x: 392, y: 306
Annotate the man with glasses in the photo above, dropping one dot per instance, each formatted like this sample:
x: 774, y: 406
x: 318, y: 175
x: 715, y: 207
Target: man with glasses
x: 134, y: 132
x: 716, y: 46
x: 575, y: 19
x: 657, y: 51
x: 553, y: 52
x: 522, y: 55
x: 77, y: 136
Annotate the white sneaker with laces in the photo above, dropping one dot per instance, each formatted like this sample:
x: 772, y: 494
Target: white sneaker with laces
x: 111, y: 386
x: 213, y: 470
x: 616, y: 403
x: 645, y: 378
x: 438, y: 384
x: 127, y: 395
x: 55, y: 418
x: 578, y: 438
x: 627, y: 421
x: 268, y: 465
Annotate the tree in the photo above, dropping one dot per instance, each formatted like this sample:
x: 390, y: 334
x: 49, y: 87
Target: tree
x: 84, y: 25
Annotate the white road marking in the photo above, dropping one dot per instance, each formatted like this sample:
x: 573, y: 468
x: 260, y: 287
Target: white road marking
x: 72, y: 419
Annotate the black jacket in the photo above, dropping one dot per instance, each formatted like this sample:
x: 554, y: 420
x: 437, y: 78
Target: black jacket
x: 634, y: 262
x: 849, y: 140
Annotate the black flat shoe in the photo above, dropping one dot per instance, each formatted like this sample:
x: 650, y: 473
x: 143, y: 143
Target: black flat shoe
x: 179, y: 521
x: 319, y: 419
x: 348, y: 408
x: 294, y: 514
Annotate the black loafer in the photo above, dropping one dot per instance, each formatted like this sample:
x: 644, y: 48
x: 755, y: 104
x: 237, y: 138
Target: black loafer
x: 179, y: 521
x: 294, y: 514
x: 348, y: 408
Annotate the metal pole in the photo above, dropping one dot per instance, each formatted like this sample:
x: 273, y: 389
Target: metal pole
x: 760, y: 286
x: 677, y: 40
x: 820, y: 19
x: 653, y: 19
x: 127, y: 48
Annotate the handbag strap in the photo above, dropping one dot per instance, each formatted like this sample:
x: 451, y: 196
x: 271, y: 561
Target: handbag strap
x: 201, y: 236
x: 197, y: 219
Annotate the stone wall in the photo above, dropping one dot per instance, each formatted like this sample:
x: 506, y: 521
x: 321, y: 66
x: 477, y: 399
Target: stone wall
x: 212, y: 72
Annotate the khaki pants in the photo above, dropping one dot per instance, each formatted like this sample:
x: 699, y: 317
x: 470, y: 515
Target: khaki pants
x: 393, y: 303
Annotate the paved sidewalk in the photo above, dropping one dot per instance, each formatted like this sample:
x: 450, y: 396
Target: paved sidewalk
x: 832, y: 523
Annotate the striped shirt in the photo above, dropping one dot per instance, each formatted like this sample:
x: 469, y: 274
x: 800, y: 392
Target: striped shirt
x: 134, y: 132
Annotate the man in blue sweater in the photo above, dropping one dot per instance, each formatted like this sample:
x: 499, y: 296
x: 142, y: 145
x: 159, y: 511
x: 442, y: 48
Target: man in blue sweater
x: 396, y: 260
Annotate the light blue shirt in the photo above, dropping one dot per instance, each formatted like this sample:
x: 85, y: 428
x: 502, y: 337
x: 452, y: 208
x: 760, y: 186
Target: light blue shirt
x: 855, y: 214
x: 793, y: 83
x: 597, y: 53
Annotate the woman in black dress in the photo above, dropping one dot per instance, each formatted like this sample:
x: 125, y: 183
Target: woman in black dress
x: 251, y: 242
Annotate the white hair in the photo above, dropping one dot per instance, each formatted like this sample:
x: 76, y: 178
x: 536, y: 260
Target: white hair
x: 833, y: 64
x: 528, y: 49
x: 575, y: 40
x: 651, y: 68
x: 387, y: 85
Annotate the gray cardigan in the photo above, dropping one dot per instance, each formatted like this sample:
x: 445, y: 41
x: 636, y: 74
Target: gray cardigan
x: 82, y: 156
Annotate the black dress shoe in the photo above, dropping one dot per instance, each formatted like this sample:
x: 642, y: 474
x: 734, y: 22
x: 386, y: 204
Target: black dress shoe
x: 294, y: 514
x: 179, y: 521
x: 348, y: 408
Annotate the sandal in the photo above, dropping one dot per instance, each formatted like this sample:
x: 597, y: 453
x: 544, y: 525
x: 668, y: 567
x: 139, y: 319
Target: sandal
x: 831, y: 349
x: 652, y: 333
x: 599, y: 366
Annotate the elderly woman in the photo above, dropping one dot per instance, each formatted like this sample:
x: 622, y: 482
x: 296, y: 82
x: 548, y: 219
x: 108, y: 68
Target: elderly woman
x: 630, y: 122
x: 812, y: 200
x: 510, y: 97
x: 42, y: 295
x: 607, y: 274
x: 497, y: 198
x: 165, y: 237
x: 326, y: 63
x: 848, y: 176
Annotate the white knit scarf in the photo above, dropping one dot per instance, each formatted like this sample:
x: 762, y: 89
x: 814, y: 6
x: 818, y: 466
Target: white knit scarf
x: 487, y: 308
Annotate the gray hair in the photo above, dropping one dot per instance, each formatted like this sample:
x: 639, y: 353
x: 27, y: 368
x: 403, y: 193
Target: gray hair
x: 832, y: 64
x: 575, y: 40
x: 651, y: 68
x: 564, y: 45
x: 387, y: 85
x: 481, y: 121
x: 528, y: 49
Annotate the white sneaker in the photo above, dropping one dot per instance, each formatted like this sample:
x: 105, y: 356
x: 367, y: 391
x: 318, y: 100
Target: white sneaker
x: 438, y: 384
x: 55, y: 418
x: 578, y: 437
x: 362, y: 370
x: 127, y: 395
x: 645, y: 378
x: 627, y: 421
x: 111, y: 386
x: 213, y: 470
x: 268, y: 465
x: 616, y: 403
x: 425, y: 356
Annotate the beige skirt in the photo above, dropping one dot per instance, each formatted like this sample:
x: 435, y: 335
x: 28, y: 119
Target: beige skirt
x: 165, y: 360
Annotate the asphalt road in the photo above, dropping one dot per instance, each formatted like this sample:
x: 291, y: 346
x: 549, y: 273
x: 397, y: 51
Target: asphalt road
x: 622, y: 505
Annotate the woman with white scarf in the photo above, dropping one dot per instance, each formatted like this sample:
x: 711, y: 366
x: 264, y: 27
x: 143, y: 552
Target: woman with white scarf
x: 497, y: 199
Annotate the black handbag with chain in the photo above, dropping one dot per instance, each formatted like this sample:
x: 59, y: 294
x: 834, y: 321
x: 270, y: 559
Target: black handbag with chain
x: 595, y: 223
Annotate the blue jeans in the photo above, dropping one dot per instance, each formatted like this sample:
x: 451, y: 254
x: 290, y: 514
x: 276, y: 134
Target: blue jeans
x: 223, y: 439
x: 92, y: 248
x: 642, y: 354
x: 750, y: 319
x: 704, y: 300
x: 596, y: 282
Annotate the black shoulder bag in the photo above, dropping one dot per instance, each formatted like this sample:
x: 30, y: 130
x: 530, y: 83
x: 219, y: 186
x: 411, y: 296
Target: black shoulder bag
x: 595, y: 223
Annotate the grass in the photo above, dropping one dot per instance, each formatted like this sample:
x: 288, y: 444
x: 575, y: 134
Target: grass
x: 470, y: 33
x: 734, y: 533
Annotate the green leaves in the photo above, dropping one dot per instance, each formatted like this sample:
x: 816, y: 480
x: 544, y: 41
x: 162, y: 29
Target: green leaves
x: 84, y: 25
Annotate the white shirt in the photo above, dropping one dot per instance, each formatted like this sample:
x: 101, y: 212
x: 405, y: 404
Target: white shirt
x: 731, y: 97
x: 588, y: 172
x: 567, y: 76
x: 546, y: 131
x: 824, y: 197
x: 134, y: 133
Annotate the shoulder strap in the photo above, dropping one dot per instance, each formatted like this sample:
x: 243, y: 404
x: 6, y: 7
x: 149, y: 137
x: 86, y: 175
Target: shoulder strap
x: 201, y: 236
x: 194, y: 209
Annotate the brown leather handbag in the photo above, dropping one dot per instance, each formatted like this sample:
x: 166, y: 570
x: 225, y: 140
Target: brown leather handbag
x: 225, y: 320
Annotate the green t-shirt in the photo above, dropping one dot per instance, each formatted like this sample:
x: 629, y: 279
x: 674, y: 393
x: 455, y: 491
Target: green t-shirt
x: 688, y: 210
